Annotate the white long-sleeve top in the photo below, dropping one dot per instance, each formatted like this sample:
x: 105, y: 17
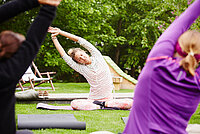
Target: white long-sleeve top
x: 97, y: 73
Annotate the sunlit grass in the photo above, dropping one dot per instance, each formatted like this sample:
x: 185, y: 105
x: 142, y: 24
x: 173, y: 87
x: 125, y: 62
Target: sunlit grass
x: 98, y: 120
x: 74, y: 88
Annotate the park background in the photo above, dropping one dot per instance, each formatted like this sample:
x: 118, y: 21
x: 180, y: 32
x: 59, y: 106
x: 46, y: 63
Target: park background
x: 125, y: 30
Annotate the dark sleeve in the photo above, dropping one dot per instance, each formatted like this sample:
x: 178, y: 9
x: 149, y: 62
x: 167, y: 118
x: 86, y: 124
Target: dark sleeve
x: 14, y: 7
x: 19, y: 62
x: 166, y: 43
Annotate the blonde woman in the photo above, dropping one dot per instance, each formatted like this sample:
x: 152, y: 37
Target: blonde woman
x: 168, y: 89
x: 94, y: 69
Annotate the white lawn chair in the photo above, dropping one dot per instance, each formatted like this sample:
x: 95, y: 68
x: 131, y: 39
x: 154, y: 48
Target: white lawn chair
x: 30, y: 77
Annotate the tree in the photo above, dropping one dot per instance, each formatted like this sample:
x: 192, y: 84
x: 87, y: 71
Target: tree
x: 125, y: 30
x: 137, y: 24
x: 86, y: 19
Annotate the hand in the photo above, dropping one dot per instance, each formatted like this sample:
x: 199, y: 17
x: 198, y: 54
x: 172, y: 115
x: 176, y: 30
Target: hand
x: 55, y: 31
x: 50, y: 2
x: 53, y: 36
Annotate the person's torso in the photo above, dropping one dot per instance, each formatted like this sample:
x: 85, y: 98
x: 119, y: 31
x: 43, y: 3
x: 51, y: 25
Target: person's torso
x: 99, y: 77
x: 165, y: 97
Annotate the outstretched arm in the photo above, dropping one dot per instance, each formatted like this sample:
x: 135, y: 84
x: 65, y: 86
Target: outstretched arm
x: 14, y: 7
x: 167, y: 41
x: 67, y: 58
x: 56, y: 31
x: 29, y: 48
x: 58, y: 46
x: 81, y: 41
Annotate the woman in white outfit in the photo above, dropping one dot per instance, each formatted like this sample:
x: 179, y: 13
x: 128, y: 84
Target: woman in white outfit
x: 94, y: 69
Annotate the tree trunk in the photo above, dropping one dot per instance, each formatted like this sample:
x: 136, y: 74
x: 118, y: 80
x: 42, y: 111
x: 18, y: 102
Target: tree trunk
x: 117, y: 52
x: 132, y: 73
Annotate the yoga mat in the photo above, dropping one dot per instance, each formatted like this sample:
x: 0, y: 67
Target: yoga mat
x: 125, y: 119
x: 51, y: 107
x: 39, y: 121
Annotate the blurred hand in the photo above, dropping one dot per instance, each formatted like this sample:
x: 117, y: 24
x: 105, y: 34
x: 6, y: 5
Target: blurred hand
x: 54, y: 30
x: 50, y: 2
x: 53, y: 36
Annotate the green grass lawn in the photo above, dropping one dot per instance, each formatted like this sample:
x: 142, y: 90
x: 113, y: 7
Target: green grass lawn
x: 74, y: 88
x: 97, y: 120
x: 195, y: 119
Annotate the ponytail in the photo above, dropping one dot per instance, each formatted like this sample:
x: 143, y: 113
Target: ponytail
x: 189, y: 64
x: 190, y: 44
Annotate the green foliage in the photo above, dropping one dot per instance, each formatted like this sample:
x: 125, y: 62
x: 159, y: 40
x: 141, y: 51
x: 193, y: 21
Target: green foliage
x: 124, y: 30
x: 85, y: 19
x: 139, y: 28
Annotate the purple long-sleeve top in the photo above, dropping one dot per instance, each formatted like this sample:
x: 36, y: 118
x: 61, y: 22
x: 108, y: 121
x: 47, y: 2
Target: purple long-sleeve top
x: 166, y: 96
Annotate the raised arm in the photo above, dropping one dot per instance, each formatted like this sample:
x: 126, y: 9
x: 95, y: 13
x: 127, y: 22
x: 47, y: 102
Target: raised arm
x: 167, y: 41
x: 81, y: 41
x: 56, y: 31
x: 14, y: 7
x: 67, y: 58
x: 58, y: 46
x: 29, y: 48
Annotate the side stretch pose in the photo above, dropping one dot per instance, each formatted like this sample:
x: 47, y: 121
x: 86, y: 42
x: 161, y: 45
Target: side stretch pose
x: 168, y: 89
x: 17, y: 53
x: 94, y: 69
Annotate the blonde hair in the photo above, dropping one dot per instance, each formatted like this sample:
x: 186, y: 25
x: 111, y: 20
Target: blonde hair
x: 72, y: 52
x: 190, y: 43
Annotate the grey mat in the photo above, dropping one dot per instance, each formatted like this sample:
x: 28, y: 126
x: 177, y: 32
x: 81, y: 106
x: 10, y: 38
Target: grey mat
x: 39, y: 121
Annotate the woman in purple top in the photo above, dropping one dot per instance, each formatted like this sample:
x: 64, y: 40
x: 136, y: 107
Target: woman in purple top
x: 168, y: 89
